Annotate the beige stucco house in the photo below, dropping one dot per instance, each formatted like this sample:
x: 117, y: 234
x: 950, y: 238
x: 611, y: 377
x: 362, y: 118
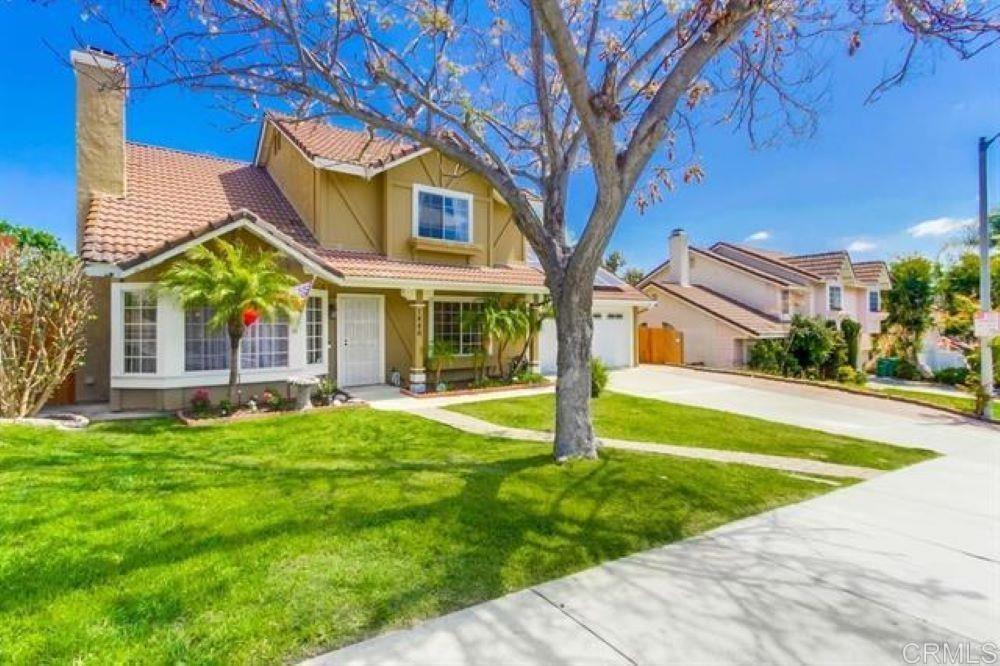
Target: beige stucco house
x: 397, y: 241
x: 724, y: 298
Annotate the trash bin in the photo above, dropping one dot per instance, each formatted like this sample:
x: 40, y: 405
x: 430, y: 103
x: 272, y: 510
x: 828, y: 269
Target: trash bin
x: 886, y: 367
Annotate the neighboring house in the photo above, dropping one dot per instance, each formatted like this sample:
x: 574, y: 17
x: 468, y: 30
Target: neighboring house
x: 728, y: 296
x: 398, y: 242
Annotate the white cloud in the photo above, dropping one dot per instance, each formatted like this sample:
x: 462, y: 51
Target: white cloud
x: 860, y: 246
x: 940, y: 226
x: 758, y: 236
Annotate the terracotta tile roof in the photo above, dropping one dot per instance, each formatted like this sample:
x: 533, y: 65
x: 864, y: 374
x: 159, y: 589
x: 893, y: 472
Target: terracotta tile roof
x: 767, y: 262
x: 170, y: 194
x: 368, y: 265
x: 870, y: 271
x: 829, y: 265
x: 318, y: 138
x: 752, y: 321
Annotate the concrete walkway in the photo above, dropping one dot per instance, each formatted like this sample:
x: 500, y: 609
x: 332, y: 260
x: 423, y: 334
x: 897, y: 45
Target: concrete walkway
x: 875, y: 573
x: 796, y: 465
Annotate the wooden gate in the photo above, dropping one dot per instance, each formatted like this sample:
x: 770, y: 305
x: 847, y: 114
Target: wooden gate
x: 65, y: 394
x: 662, y: 346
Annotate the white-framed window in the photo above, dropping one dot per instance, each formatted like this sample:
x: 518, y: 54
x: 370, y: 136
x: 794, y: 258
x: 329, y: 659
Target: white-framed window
x: 265, y: 344
x: 874, y: 300
x: 451, y: 323
x: 786, y: 302
x: 139, y: 331
x: 204, y: 348
x: 442, y: 214
x: 314, y: 330
x: 835, y: 297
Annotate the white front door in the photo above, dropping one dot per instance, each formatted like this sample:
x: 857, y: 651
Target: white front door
x: 360, y: 340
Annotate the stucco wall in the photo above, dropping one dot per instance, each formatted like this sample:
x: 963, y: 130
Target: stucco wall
x: 376, y: 215
x: 92, y: 379
x: 707, y: 340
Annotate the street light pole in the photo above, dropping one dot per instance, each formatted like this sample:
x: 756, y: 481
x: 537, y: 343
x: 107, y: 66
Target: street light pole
x: 985, y: 349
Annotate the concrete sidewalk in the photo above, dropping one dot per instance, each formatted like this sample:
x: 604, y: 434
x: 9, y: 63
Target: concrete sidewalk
x: 863, y: 575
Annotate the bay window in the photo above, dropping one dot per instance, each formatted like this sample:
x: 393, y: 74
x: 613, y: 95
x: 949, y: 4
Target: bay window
x: 265, y: 344
x: 442, y: 214
x: 314, y: 330
x: 204, y: 348
x: 451, y: 324
x: 139, y: 331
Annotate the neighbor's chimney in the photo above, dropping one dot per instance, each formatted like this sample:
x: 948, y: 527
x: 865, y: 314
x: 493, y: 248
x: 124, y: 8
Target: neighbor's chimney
x: 680, y: 266
x: 100, y: 129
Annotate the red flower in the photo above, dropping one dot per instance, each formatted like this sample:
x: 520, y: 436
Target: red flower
x: 250, y: 316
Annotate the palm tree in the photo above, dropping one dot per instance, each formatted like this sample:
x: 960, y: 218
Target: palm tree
x: 534, y: 317
x: 442, y: 352
x: 234, y: 281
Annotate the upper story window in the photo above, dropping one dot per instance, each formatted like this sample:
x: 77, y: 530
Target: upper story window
x: 874, y: 300
x: 835, y: 295
x: 442, y: 214
x: 786, y: 302
x: 139, y: 331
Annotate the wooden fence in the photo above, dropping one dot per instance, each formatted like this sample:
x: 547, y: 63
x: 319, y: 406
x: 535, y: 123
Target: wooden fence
x: 661, y: 346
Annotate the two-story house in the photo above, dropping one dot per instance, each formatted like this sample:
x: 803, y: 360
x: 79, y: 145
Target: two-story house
x: 724, y: 298
x: 397, y: 241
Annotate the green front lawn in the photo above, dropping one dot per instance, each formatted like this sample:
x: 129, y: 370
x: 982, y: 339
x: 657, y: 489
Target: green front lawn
x: 269, y: 540
x: 621, y: 416
x: 963, y: 403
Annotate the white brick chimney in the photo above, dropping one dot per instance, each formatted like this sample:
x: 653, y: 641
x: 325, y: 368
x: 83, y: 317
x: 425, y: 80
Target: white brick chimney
x: 100, y: 129
x: 680, y: 265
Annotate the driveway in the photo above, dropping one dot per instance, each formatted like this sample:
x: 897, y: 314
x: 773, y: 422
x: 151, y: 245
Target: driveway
x: 894, y: 570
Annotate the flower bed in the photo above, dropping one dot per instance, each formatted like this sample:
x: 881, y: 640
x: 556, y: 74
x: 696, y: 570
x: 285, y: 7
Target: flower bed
x: 468, y: 388
x: 269, y: 403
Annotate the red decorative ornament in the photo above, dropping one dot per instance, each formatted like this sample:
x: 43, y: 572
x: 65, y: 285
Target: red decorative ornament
x: 250, y: 317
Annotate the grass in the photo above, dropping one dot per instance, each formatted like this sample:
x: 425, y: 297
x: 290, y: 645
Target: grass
x: 963, y: 403
x: 646, y: 420
x: 270, y: 540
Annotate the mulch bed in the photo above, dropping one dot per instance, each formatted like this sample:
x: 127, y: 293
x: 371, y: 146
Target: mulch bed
x: 189, y: 419
x: 472, y: 391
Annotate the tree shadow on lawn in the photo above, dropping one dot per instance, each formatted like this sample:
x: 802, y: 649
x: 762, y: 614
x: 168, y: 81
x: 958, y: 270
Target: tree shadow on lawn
x: 442, y: 527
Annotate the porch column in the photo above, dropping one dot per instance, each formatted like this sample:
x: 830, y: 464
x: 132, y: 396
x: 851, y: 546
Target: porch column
x: 417, y: 299
x: 418, y: 374
x: 534, y: 357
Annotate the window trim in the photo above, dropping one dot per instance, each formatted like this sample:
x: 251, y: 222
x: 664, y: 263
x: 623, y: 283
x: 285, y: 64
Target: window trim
x: 118, y: 290
x: 829, y: 297
x: 432, y: 305
x: 440, y: 191
x: 325, y: 321
x: 144, y: 288
x: 878, y: 300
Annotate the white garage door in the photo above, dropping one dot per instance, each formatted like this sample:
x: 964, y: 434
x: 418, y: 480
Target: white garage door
x: 612, y: 341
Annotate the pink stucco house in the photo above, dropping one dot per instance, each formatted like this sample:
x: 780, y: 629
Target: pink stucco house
x: 726, y: 297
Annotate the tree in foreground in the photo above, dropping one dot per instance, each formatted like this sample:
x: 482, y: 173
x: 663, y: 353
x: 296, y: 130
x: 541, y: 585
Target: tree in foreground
x: 525, y: 92
x: 238, y: 284
x: 45, y: 304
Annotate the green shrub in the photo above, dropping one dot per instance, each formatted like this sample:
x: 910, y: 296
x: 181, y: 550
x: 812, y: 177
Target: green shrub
x: 846, y: 374
x: 906, y: 369
x: 951, y: 376
x: 811, y: 342
x: 850, y: 330
x: 598, y: 377
x: 860, y: 378
x: 767, y: 356
x: 528, y: 378
x: 838, y: 355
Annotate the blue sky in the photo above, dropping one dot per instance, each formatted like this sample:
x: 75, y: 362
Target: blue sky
x: 869, y: 176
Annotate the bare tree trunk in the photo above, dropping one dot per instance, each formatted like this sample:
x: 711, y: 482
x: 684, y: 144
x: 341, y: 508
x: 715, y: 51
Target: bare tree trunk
x: 574, y: 327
